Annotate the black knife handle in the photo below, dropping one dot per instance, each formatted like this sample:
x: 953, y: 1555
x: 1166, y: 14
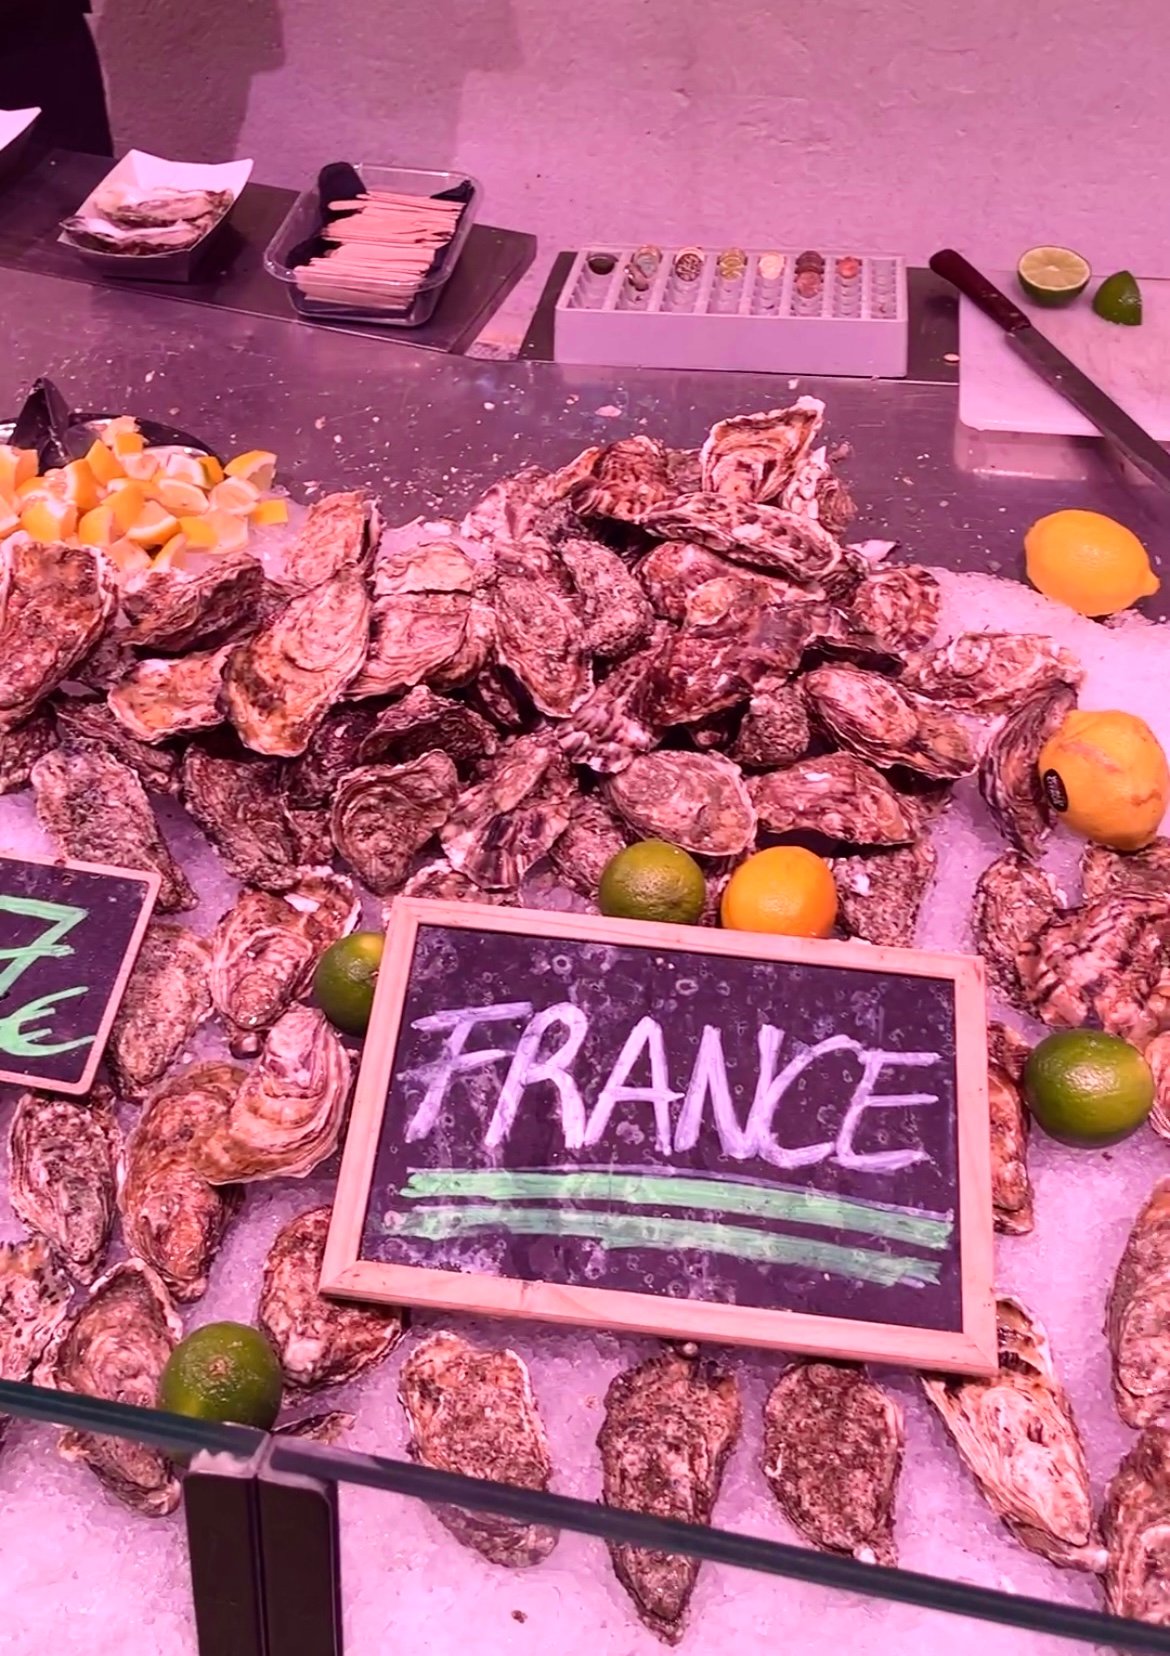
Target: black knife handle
x: 973, y: 285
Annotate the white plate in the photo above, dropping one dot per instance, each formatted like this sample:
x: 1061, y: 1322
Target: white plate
x: 139, y: 171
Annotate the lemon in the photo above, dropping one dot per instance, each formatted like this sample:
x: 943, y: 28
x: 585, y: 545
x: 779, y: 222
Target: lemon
x: 1085, y: 1087
x: 1088, y: 561
x: 269, y: 513
x: 49, y: 520
x: 1119, y: 299
x: 223, y: 1371
x: 652, y: 880
x: 17, y: 466
x: 230, y: 531
x: 234, y: 494
x: 344, y: 982
x: 1053, y: 275
x: 103, y: 462
x: 258, y: 466
x: 1105, y: 775
x: 97, y: 527
x: 786, y: 889
x: 153, y: 526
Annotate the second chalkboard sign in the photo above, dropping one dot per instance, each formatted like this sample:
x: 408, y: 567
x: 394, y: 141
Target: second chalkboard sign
x: 674, y: 1130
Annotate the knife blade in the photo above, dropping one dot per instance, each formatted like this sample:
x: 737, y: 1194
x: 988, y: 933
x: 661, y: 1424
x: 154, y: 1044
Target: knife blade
x: 1054, y: 368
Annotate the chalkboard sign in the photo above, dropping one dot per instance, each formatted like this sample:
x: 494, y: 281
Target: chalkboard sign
x: 675, y: 1130
x: 69, y: 934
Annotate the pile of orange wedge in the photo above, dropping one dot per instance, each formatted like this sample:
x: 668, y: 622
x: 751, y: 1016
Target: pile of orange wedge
x: 146, y: 508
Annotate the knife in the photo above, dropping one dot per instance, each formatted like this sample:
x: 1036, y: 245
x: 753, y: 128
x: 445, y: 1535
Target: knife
x: 1042, y: 356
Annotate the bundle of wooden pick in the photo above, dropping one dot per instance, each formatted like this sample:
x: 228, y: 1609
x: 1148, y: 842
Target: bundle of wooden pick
x: 383, y: 245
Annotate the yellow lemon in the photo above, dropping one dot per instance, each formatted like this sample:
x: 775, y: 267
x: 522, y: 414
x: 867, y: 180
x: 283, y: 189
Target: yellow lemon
x: 76, y: 483
x: 127, y: 503
x: 49, y: 520
x: 183, y: 499
x: 153, y: 526
x: 258, y: 466
x: 127, y: 558
x: 98, y: 527
x: 126, y: 441
x: 143, y: 467
x: 198, y: 532
x: 231, y: 531
x: 16, y: 467
x: 1105, y: 775
x: 213, y: 471
x: 1088, y: 561
x: 786, y: 889
x: 234, y: 494
x: 185, y: 468
x: 8, y: 518
x: 269, y: 512
x: 104, y: 463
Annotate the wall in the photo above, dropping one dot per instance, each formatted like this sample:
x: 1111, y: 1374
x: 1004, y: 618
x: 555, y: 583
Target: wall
x: 899, y: 124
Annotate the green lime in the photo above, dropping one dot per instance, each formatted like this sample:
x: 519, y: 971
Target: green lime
x: 1053, y: 275
x: 652, y: 881
x: 223, y: 1371
x: 343, y: 984
x: 1088, y: 1088
x: 1119, y: 299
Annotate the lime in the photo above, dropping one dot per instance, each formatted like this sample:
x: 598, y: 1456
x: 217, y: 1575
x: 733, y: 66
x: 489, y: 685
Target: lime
x: 1119, y: 299
x: 652, y: 881
x: 1053, y: 275
x: 223, y: 1371
x: 343, y: 984
x: 1088, y: 1088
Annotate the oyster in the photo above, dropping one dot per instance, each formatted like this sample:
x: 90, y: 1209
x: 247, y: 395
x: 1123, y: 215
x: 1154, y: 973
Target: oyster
x: 172, y: 1218
x: 91, y: 723
x: 55, y: 602
x: 593, y: 837
x: 623, y: 480
x: 764, y: 537
x: 1157, y: 1056
x: 1129, y: 873
x: 497, y: 695
x: 21, y: 746
x: 266, y: 948
x: 1138, y: 1317
x: 116, y: 1347
x: 888, y: 726
x: 311, y: 780
x: 670, y: 1426
x: 172, y: 612
x: 755, y: 456
x: 990, y: 669
x: 1014, y: 902
x: 428, y: 622
x: 898, y: 605
x: 1107, y: 962
x: 444, y: 883
x: 1008, y: 1049
x: 837, y: 795
x: 166, y: 1000
x: 1135, y: 1525
x: 833, y: 1443
x: 733, y: 637
x: 1018, y: 1436
x: 507, y: 820
x: 1011, y: 1184
x: 881, y: 895
x: 34, y: 1302
x: 774, y: 729
x: 326, y: 1427
x: 671, y: 572
x: 420, y: 722
x: 95, y: 809
x: 338, y: 533
x: 510, y: 508
x: 615, y: 612
x: 539, y: 634
x: 1009, y: 779
x: 287, y: 1116
x: 383, y: 814
x: 695, y: 800
x: 162, y: 698
x: 610, y: 726
x: 279, y: 685
x: 473, y: 1412
x: 240, y: 805
x: 319, y: 1342
x: 64, y: 1155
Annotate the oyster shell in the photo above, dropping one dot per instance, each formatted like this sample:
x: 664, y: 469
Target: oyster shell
x: 420, y: 722
x: 383, y: 814
x: 506, y: 821
x: 64, y: 1155
x: 1138, y: 1316
x: 55, y: 602
x: 287, y: 1116
x: 339, y: 532
x: 34, y: 1302
x: 593, y: 837
x: 1019, y: 1438
x: 888, y: 726
x: 1107, y: 962
x: 774, y: 729
x: 510, y: 508
x: 990, y: 669
x: 899, y: 605
x: 266, y: 948
x: 326, y: 1427
x: 670, y: 1426
x: 96, y: 811
x: 319, y: 1342
x: 881, y: 895
x: 623, y: 480
x: 278, y: 686
x: 1014, y: 902
x: 833, y: 1443
x: 615, y: 613
x: 764, y: 537
x: 116, y: 1347
x: 1135, y: 1524
x: 610, y: 726
x: 755, y: 456
x: 172, y: 1218
x: 837, y: 795
x: 166, y: 1000
x: 1011, y: 1184
x: 21, y: 747
x: 539, y: 633
x: 695, y: 800
x: 172, y: 612
x: 1008, y: 1049
x: 162, y: 698
x: 311, y: 780
x: 1009, y: 779
x: 428, y: 621
x: 1105, y: 873
x: 240, y: 805
x: 497, y: 695
x: 670, y: 573
x: 474, y: 1412
x: 439, y: 880
x: 1157, y: 1056
x: 91, y: 723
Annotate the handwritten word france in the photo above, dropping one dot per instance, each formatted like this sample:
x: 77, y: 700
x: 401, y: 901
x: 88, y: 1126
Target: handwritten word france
x: 552, y: 1038
x: 26, y: 1032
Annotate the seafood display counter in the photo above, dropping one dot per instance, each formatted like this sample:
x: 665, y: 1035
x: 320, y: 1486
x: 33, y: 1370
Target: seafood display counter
x: 990, y: 1495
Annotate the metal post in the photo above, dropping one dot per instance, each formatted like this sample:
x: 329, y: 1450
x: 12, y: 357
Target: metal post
x: 300, y: 1561
x: 223, y: 1531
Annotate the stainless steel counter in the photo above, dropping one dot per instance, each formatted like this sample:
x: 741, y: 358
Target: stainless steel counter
x: 429, y: 431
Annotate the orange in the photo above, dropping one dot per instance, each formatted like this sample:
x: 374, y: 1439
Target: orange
x: 786, y: 889
x: 104, y: 463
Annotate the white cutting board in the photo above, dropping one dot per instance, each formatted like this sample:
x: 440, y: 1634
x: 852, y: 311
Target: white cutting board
x: 999, y: 393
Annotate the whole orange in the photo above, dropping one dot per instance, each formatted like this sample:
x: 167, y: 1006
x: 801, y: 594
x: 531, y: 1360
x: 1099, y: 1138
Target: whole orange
x: 785, y: 889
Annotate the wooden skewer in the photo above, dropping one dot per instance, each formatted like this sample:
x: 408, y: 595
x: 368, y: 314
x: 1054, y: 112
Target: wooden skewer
x: 382, y: 249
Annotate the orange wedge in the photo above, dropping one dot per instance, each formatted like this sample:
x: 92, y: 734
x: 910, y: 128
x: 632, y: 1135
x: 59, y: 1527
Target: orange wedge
x: 79, y: 485
x: 127, y: 503
x: 186, y: 468
x: 179, y: 554
x: 199, y: 532
x: 127, y: 558
x: 258, y: 466
x: 16, y: 467
x: 98, y: 527
x: 213, y: 472
x: 231, y: 531
x: 269, y: 512
x: 183, y: 499
x: 104, y: 463
x: 124, y: 442
x: 49, y: 520
x: 153, y: 526
x: 234, y: 494
x: 142, y: 467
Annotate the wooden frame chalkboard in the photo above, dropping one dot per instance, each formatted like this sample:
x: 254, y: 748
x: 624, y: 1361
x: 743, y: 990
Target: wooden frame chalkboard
x: 965, y: 1344
x: 70, y: 933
